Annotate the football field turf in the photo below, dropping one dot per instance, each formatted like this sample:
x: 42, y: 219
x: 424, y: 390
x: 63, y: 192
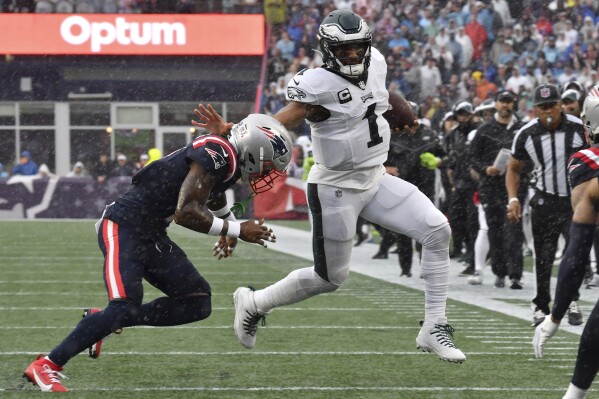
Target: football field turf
x: 358, y: 342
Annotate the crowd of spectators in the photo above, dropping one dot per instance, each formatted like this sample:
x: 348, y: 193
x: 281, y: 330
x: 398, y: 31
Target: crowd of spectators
x: 100, y: 170
x: 440, y: 53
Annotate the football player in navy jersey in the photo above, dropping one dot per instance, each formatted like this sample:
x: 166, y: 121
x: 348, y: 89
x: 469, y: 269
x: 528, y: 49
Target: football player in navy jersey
x: 343, y: 102
x: 583, y: 171
x: 186, y: 186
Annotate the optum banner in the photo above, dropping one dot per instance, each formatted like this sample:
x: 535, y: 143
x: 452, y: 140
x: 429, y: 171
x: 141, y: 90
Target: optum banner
x: 132, y: 34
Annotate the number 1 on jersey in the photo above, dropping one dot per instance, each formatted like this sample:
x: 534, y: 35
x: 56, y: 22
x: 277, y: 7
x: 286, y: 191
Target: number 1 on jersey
x: 373, y: 128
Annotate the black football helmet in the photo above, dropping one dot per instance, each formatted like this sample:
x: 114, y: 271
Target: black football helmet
x: 344, y: 28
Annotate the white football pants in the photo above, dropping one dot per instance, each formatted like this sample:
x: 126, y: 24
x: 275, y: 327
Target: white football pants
x: 393, y: 204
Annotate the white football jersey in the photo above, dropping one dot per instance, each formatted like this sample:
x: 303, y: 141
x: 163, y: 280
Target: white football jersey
x: 349, y: 147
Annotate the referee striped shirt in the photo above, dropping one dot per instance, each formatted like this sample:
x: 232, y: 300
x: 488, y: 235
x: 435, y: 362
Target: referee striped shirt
x: 550, y: 151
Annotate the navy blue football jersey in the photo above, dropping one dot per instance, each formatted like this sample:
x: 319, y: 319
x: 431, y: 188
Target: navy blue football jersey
x: 151, y: 199
x: 583, y: 166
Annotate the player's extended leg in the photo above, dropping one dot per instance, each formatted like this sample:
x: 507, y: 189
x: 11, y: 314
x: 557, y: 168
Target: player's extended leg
x: 572, y: 267
x: 188, y: 293
x: 124, y: 255
x: 399, y: 206
x: 334, y: 215
x: 587, y: 361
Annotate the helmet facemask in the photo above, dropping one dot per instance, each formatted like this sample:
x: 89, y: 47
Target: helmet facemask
x: 265, y: 180
x: 349, y: 66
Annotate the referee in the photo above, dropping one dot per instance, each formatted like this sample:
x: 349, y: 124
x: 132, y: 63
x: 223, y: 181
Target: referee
x: 548, y: 141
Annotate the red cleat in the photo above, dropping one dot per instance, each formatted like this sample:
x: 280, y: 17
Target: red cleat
x: 43, y: 373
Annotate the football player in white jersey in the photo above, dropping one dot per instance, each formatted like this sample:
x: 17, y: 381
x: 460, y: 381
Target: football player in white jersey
x: 343, y: 102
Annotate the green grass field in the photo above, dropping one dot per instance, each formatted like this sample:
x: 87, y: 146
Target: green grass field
x: 355, y: 343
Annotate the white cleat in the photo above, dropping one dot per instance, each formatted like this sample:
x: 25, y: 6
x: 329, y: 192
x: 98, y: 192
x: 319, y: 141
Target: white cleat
x: 247, y: 317
x: 475, y: 279
x: 438, y: 338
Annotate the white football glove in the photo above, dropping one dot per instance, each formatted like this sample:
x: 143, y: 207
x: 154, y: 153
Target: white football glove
x: 543, y: 332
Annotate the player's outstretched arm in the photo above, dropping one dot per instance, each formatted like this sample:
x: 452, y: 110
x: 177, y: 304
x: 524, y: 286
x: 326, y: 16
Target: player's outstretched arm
x: 211, y: 120
x: 192, y: 214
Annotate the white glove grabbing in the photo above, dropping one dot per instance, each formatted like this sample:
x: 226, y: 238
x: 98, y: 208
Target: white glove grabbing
x: 543, y: 332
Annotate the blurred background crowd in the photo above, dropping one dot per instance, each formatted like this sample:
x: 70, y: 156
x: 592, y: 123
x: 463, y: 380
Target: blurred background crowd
x: 440, y: 53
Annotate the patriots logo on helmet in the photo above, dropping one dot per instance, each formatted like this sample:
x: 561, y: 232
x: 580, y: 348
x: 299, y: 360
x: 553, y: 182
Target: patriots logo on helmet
x: 219, y: 160
x: 278, y: 145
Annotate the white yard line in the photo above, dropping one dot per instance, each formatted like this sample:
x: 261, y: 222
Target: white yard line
x: 317, y: 389
x: 293, y: 353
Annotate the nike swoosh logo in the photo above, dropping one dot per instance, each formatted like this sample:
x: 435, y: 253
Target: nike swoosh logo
x: 38, y: 381
x: 296, y: 82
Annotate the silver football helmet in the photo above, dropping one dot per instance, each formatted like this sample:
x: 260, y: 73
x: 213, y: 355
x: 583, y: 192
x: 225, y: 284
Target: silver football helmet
x: 343, y: 28
x: 590, y: 118
x: 263, y: 147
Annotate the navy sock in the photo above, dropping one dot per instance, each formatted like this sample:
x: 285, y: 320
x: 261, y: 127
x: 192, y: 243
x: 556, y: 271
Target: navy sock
x: 91, y: 329
x: 573, y: 266
x: 163, y: 311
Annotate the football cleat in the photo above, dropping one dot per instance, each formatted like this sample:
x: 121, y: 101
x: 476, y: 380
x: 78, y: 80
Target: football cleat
x: 537, y: 317
x: 574, y: 315
x: 545, y: 330
x: 247, y: 317
x: 94, y: 350
x: 438, y: 338
x: 516, y: 284
x: 475, y: 279
x: 499, y: 282
x: 43, y: 373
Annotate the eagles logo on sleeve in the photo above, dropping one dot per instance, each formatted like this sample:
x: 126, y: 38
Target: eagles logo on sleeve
x: 278, y: 145
x: 295, y: 93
